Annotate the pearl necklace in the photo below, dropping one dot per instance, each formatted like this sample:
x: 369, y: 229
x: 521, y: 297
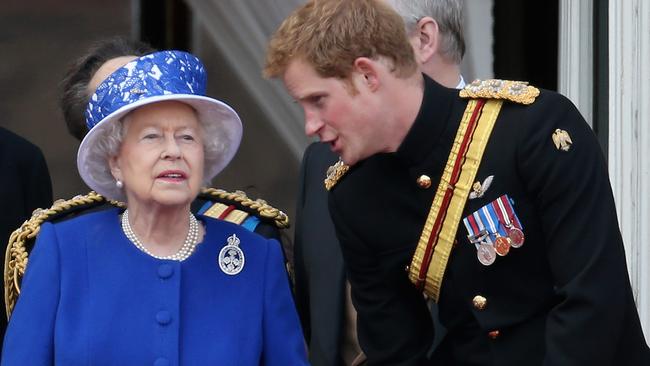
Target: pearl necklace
x: 191, y: 240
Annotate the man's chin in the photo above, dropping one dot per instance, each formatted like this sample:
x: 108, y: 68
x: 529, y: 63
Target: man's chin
x: 349, y: 160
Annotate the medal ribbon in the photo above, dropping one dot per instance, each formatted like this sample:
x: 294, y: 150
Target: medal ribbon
x: 505, y: 212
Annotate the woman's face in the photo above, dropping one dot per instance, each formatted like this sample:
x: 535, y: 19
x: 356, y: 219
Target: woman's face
x: 161, y: 157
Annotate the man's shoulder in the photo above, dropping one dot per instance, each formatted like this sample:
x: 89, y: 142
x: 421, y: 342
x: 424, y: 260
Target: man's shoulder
x: 16, y: 145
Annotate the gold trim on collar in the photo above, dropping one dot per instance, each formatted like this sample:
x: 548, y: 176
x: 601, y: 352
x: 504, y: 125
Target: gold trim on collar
x: 334, y: 173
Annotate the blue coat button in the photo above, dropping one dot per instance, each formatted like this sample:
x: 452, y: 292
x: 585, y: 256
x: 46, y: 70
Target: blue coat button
x: 163, y: 317
x: 165, y: 271
x: 161, y: 361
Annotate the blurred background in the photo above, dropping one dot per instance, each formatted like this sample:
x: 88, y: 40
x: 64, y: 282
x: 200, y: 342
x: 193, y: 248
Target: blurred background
x: 597, y: 52
x: 40, y: 38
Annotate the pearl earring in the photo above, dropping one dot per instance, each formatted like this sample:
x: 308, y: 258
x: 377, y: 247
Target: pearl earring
x: 119, y: 184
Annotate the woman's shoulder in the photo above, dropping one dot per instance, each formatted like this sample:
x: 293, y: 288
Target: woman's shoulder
x: 87, y: 220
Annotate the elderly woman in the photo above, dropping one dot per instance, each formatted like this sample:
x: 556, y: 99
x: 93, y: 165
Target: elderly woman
x: 153, y: 284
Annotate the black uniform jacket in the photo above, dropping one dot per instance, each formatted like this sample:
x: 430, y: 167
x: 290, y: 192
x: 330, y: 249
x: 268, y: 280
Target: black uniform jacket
x: 318, y: 263
x: 563, y: 298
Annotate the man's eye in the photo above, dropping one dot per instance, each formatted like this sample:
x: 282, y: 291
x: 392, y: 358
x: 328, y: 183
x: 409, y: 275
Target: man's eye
x: 317, y: 100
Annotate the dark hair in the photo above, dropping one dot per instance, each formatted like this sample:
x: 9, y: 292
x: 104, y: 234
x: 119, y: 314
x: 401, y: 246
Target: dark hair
x: 75, y: 94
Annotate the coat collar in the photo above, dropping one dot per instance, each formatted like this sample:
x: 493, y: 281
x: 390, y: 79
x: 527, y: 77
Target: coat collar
x: 430, y: 124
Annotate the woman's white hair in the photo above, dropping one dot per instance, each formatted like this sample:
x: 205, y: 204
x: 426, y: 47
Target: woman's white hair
x: 109, y: 141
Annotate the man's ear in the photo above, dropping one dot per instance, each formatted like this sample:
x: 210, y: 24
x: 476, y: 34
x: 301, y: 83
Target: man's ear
x: 425, y: 39
x: 114, y: 165
x: 368, y: 72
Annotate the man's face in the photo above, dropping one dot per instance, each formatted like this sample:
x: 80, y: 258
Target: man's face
x: 347, y: 120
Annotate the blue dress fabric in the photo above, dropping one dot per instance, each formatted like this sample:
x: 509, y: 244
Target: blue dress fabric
x: 90, y: 297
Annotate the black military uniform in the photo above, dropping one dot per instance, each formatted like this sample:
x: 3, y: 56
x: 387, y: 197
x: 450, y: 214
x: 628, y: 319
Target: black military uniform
x: 563, y: 298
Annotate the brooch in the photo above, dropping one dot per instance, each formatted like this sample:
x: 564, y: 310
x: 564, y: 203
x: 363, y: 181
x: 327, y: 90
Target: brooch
x: 231, y: 257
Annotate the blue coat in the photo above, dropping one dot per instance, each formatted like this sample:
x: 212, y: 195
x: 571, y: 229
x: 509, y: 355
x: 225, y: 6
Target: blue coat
x: 90, y: 297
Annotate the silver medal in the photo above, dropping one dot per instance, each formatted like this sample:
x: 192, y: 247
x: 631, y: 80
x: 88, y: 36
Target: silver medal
x: 486, y: 254
x: 231, y: 257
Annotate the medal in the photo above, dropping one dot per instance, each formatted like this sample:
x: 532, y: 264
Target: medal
x: 516, y: 236
x: 501, y: 242
x: 486, y: 254
x: 507, y: 215
x: 231, y: 257
x: 501, y: 245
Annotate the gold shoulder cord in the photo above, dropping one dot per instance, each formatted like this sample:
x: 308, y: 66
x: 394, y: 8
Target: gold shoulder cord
x: 515, y: 91
x: 16, y: 255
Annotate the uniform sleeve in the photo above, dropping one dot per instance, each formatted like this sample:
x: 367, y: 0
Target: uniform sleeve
x: 283, y: 340
x: 583, y: 243
x: 30, y: 335
x: 393, y: 322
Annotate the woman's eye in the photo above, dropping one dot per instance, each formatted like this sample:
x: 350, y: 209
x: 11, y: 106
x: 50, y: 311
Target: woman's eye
x: 150, y: 136
x: 187, y: 137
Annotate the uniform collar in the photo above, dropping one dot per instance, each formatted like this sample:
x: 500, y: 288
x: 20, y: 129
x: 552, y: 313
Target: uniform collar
x: 430, y: 123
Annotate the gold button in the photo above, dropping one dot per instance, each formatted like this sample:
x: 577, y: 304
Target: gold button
x: 479, y: 302
x: 493, y: 334
x: 424, y: 181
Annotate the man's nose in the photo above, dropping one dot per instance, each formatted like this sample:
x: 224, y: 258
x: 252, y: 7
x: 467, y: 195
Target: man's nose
x: 313, y: 124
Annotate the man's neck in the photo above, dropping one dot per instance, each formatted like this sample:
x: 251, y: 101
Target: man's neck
x: 408, y: 101
x: 445, y: 74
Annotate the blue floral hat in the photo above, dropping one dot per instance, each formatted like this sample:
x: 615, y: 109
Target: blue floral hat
x: 157, y: 77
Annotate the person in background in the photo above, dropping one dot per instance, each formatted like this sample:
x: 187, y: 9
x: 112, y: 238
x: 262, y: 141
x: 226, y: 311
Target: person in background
x: 28, y: 188
x: 494, y: 202
x: 153, y: 283
x: 435, y: 31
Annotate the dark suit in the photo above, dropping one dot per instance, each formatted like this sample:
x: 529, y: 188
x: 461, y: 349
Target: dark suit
x: 25, y: 187
x: 564, y: 298
x: 318, y: 261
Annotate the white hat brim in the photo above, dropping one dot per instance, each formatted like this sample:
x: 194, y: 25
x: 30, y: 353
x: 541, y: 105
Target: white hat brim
x: 209, y: 111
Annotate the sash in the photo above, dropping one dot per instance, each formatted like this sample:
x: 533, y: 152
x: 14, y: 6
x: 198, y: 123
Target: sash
x: 429, y: 262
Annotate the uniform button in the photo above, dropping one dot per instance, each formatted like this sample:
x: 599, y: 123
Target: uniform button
x: 165, y: 271
x: 163, y: 317
x: 493, y: 334
x: 479, y: 302
x: 424, y: 181
x: 161, y: 361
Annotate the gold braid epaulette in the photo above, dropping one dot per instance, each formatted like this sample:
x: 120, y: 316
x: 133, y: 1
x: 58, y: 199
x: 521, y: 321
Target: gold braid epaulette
x: 265, y: 210
x: 334, y: 173
x: 16, y: 254
x: 514, y: 91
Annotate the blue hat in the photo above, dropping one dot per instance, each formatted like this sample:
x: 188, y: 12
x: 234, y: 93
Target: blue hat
x: 157, y: 77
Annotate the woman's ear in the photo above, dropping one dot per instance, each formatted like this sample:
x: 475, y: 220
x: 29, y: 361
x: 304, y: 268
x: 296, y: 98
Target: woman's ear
x: 114, y: 164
